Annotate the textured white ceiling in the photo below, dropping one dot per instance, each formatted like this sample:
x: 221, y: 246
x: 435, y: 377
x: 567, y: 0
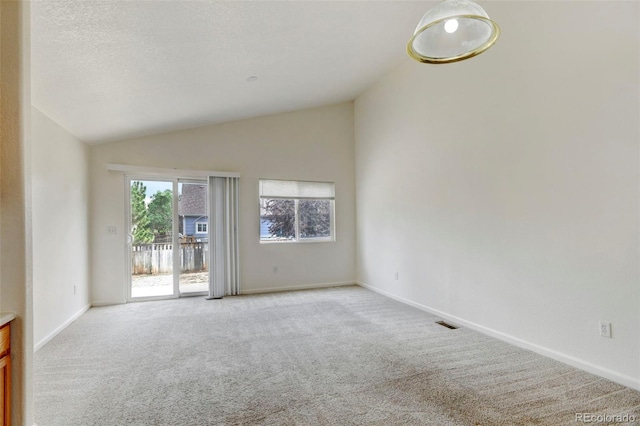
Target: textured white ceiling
x: 110, y: 70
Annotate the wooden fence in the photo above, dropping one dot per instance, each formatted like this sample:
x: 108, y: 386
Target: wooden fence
x: 157, y: 258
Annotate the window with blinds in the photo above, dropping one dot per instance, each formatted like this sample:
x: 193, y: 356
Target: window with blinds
x: 296, y: 211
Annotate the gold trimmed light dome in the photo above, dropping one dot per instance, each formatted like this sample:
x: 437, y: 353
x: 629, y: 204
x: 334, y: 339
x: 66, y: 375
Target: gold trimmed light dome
x: 452, y: 31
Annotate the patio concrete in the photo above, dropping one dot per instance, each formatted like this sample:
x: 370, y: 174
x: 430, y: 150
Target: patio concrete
x: 162, y: 285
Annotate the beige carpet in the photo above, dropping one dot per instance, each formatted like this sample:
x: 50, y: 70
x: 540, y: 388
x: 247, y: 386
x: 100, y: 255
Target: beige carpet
x: 341, y: 356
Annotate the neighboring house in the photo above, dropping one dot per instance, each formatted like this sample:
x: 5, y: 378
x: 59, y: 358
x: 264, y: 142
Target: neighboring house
x: 192, y: 211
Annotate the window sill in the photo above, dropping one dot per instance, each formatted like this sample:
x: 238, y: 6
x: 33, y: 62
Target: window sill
x: 305, y: 241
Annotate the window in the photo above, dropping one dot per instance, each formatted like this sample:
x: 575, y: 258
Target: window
x: 201, y: 227
x: 296, y: 211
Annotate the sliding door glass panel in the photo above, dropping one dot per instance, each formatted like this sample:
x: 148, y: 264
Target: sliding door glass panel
x: 193, y: 225
x: 151, y: 236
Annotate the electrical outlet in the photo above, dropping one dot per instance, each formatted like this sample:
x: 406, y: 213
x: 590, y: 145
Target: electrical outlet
x: 112, y: 230
x: 605, y: 329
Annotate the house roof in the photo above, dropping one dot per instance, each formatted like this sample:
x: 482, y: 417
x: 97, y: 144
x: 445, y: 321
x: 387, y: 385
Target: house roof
x: 193, y: 200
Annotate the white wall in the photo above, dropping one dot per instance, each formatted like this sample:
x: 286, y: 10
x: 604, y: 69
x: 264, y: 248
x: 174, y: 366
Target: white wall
x: 60, y: 194
x: 313, y: 144
x: 504, y: 189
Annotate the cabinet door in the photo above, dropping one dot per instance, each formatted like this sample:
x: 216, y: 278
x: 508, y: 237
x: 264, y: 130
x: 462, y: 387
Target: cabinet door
x: 5, y: 390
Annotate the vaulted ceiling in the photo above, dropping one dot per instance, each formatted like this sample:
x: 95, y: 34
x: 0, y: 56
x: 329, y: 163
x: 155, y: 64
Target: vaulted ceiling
x: 115, y: 69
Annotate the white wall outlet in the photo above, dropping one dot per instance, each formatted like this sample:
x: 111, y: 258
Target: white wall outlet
x: 605, y: 329
x: 112, y: 230
x: 396, y: 276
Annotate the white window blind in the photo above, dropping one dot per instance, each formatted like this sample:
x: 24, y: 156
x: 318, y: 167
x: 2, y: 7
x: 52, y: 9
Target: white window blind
x: 271, y: 188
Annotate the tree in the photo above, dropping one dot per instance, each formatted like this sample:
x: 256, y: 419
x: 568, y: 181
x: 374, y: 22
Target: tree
x: 160, y: 212
x: 139, y: 218
x: 315, y: 218
x: 281, y: 216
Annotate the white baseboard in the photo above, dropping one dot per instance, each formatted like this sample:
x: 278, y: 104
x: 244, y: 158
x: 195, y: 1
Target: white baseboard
x: 59, y: 329
x: 550, y: 353
x: 296, y: 287
x: 107, y: 303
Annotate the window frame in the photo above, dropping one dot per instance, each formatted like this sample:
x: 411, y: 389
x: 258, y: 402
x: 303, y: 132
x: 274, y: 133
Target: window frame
x: 206, y: 227
x: 297, y: 239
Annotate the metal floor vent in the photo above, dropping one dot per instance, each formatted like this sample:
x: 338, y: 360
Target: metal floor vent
x: 444, y: 324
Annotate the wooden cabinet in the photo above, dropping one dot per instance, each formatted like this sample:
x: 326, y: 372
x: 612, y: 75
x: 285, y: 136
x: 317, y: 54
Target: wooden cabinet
x: 5, y: 374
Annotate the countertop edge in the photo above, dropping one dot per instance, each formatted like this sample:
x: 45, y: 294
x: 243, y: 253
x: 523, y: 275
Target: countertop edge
x: 6, y: 317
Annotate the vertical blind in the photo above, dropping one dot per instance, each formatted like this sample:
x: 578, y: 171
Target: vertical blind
x: 224, y: 275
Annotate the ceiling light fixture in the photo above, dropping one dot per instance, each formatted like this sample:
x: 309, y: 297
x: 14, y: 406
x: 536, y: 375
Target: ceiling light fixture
x: 452, y: 31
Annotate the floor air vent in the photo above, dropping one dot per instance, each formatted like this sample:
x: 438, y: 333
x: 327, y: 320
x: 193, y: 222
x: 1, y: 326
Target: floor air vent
x: 444, y: 324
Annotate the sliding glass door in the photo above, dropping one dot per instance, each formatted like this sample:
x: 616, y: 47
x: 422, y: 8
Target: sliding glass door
x: 168, y: 244
x: 194, y: 237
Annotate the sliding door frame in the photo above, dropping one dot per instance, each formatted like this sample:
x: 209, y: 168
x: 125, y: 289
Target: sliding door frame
x: 197, y: 181
x: 174, y: 237
x: 162, y: 174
